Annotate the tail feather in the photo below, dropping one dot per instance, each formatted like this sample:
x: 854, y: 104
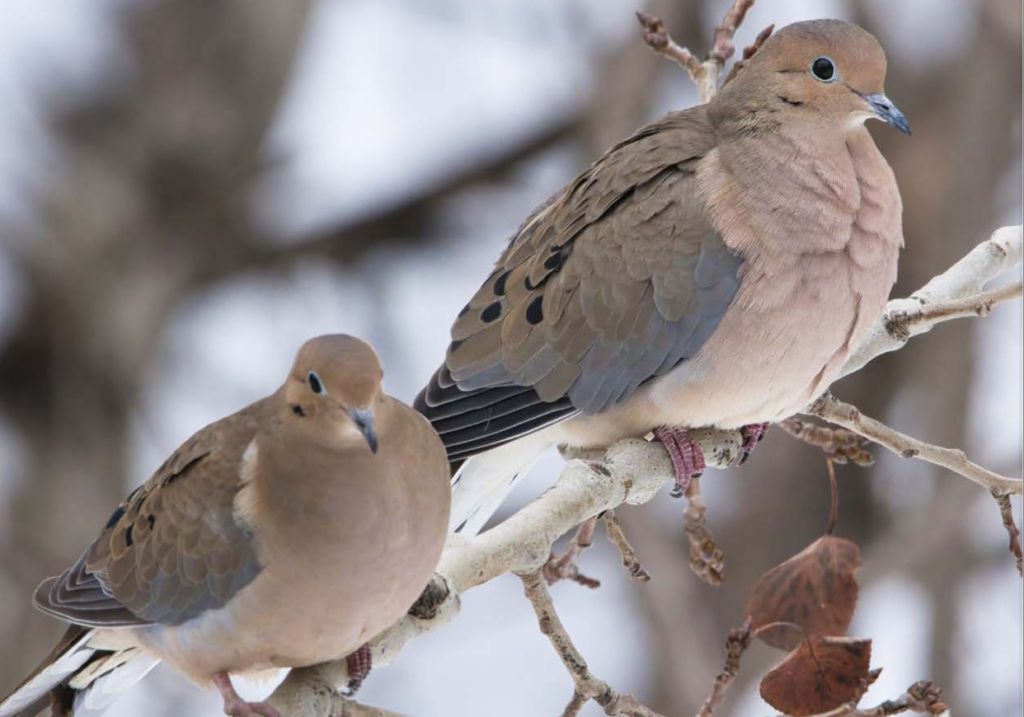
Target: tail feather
x: 484, y: 481
x: 69, y: 656
x: 78, y: 674
x: 126, y: 668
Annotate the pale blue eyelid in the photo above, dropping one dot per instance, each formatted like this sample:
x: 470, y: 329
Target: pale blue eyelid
x: 835, y: 69
x: 312, y: 376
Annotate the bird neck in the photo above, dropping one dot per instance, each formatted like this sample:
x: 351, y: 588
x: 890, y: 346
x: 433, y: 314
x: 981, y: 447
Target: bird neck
x: 294, y: 480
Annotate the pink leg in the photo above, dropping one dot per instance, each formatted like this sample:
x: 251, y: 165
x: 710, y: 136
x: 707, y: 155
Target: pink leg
x: 360, y: 663
x: 687, y: 457
x: 752, y: 435
x: 235, y: 706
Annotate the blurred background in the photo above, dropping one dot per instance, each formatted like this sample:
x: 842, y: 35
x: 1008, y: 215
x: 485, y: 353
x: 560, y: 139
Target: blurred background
x: 190, y: 189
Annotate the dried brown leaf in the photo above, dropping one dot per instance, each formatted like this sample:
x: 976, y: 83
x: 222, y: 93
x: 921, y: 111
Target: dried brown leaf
x: 815, y: 590
x: 820, y: 675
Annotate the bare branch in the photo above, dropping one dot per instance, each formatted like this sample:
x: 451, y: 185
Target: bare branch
x: 843, y: 445
x: 588, y: 687
x: 723, y: 48
x: 618, y: 538
x: 706, y: 558
x: 704, y: 74
x: 735, y: 645
x: 831, y: 409
x: 922, y: 697
x: 1006, y: 510
x: 899, y: 323
x: 656, y: 35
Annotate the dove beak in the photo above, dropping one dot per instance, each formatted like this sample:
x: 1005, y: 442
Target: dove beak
x: 364, y: 422
x: 886, y: 111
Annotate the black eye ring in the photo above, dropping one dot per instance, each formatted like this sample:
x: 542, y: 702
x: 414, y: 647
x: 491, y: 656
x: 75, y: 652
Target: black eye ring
x: 315, y: 384
x: 824, y: 69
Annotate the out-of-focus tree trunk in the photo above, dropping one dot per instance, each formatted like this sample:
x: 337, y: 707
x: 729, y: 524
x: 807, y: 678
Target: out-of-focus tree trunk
x: 150, y: 197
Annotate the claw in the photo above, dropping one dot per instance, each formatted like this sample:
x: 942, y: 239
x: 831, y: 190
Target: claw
x: 359, y: 663
x: 752, y: 435
x: 685, y: 454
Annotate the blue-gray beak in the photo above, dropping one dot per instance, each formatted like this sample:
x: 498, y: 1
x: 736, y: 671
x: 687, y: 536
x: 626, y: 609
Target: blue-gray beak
x: 364, y: 422
x: 886, y: 111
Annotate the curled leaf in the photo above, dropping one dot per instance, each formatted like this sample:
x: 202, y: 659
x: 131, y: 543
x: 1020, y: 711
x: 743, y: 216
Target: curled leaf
x: 815, y: 592
x: 820, y: 675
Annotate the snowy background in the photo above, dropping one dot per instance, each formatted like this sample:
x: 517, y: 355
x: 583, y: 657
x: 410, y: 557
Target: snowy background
x: 395, y: 103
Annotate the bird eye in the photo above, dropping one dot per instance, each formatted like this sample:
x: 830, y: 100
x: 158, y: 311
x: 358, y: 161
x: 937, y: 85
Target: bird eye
x: 315, y: 384
x: 824, y: 69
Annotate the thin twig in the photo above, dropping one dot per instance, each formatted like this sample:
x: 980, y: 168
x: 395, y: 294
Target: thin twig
x: 1006, y: 510
x: 723, y: 48
x: 831, y: 409
x: 833, y: 513
x: 704, y: 74
x: 563, y: 567
x: 657, y: 37
x: 735, y: 645
x: 588, y: 686
x: 629, y: 559
x: 843, y: 445
x: 900, y: 323
x: 706, y: 558
x: 922, y: 697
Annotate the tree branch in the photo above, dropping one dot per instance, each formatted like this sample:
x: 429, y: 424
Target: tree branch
x: 831, y: 409
x: 629, y: 559
x: 922, y: 697
x: 735, y: 645
x: 588, y: 687
x: 704, y: 74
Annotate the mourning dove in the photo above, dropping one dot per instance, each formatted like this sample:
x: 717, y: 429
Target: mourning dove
x: 715, y: 269
x: 286, y: 534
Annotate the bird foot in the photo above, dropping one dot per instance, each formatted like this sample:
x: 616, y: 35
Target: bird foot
x: 686, y: 456
x: 360, y: 663
x: 752, y: 435
x: 235, y: 706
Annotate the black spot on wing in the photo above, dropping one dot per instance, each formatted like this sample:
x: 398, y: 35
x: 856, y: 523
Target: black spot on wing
x: 535, y: 312
x: 555, y: 261
x: 491, y: 313
x: 116, y: 516
x: 499, y: 284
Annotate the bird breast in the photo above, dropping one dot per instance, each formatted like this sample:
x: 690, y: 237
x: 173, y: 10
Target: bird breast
x: 820, y: 233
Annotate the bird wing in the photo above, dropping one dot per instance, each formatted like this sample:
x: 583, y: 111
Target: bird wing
x: 614, y: 281
x: 173, y: 548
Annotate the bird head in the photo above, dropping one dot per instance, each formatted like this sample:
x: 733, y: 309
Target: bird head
x: 827, y: 74
x: 333, y: 391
